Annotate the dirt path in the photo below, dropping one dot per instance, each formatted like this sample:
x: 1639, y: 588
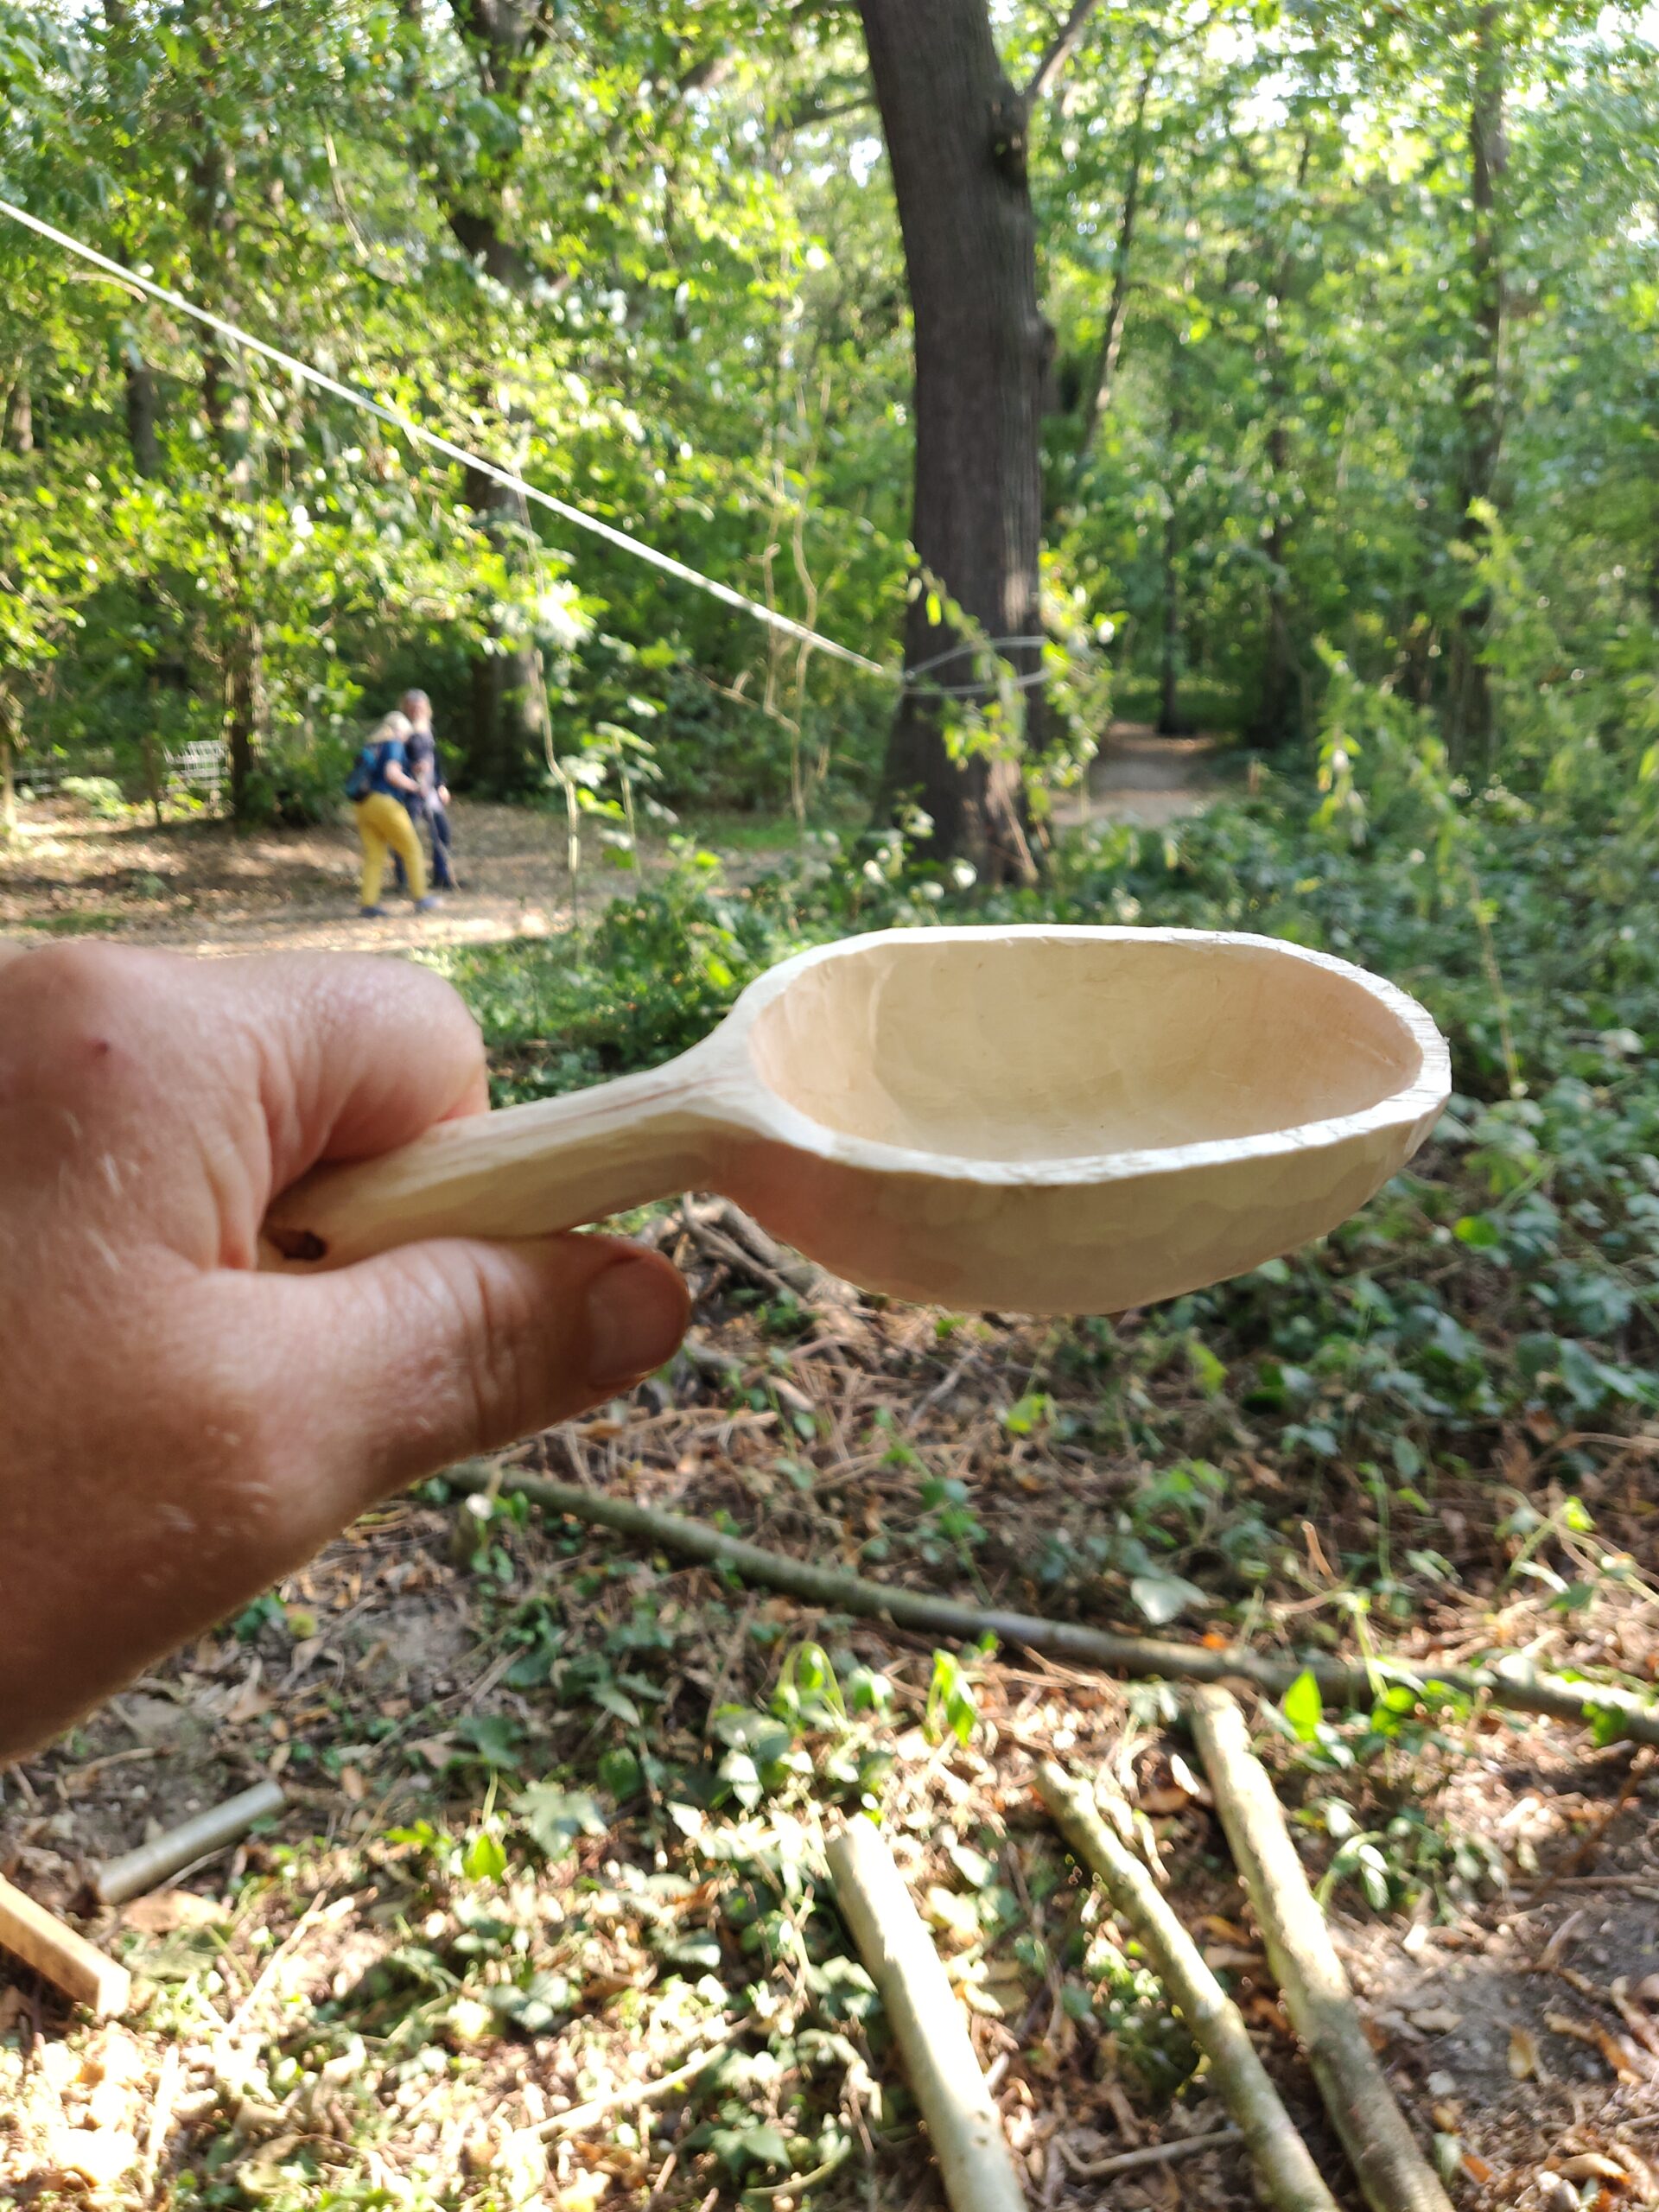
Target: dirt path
x: 198, y: 885
x: 1141, y: 778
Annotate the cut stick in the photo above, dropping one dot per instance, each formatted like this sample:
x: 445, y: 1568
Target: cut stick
x: 66, y: 1960
x: 974, y: 2161
x: 1516, y: 1689
x: 1288, y: 2174
x: 1391, y: 2171
x: 130, y: 1876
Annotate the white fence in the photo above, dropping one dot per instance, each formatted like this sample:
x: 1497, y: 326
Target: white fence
x: 202, y: 766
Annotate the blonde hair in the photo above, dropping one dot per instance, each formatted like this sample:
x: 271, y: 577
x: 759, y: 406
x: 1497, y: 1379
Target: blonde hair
x: 390, y: 726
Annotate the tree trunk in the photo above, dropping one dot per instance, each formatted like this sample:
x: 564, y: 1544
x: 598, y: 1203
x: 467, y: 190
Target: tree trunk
x: 1276, y: 709
x: 1479, y: 396
x: 956, y: 135
x: 20, y: 418
x: 142, y: 413
x: 230, y: 418
x: 506, y: 746
x: 1099, y: 399
x: 142, y: 441
x: 1171, y: 722
x: 8, y: 774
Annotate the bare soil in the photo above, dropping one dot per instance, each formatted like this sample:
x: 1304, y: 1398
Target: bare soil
x: 198, y: 884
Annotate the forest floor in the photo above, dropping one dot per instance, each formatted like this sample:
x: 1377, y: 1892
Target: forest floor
x: 392, y: 1996
x: 192, y: 882
x: 556, y: 1803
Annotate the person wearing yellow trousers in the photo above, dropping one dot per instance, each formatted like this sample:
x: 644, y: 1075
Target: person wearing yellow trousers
x: 383, y: 823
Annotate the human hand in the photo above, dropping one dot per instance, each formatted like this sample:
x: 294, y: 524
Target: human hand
x: 178, y: 1431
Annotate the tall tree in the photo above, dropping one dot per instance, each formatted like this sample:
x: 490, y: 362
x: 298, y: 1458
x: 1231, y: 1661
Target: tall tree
x: 1097, y: 393
x: 474, y: 176
x: 1480, y: 392
x: 1275, y: 720
x: 957, y: 133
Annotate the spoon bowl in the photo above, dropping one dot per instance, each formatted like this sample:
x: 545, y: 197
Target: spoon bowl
x: 1043, y: 1119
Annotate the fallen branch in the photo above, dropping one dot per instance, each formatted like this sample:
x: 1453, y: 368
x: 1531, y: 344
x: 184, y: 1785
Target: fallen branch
x: 808, y: 1281
x: 573, y: 2118
x: 1149, y: 2154
x: 1515, y: 1689
x: 1391, y: 2171
x: 1288, y: 2174
x: 974, y: 2161
x: 721, y: 1367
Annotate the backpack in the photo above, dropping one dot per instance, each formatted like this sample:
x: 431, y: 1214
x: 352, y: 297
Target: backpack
x: 360, y: 782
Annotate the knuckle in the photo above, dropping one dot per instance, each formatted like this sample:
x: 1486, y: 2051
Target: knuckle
x: 68, y: 1006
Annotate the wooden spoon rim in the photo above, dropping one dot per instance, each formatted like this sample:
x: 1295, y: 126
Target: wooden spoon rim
x: 1418, y: 1101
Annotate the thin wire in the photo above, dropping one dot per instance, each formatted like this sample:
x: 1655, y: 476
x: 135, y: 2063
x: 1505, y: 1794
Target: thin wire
x: 411, y: 429
x: 974, y: 646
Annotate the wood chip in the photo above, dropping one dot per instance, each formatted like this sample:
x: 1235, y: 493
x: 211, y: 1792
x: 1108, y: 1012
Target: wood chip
x: 98, y: 2155
x: 1592, y: 2165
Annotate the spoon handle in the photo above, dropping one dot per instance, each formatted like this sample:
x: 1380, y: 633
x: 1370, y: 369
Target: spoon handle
x: 524, y: 1172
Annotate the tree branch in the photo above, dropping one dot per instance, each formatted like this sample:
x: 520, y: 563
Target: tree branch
x: 924, y: 2015
x: 1062, y: 46
x: 1393, y: 2174
x: 1517, y: 1690
x: 1288, y: 2174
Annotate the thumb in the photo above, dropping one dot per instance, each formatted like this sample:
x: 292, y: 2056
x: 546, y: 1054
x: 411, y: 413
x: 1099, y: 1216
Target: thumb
x: 426, y: 1355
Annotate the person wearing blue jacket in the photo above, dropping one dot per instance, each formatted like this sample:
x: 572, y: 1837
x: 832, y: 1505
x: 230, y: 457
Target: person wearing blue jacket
x: 430, y: 802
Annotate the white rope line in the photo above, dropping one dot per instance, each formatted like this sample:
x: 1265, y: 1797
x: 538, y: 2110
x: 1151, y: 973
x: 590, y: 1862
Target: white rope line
x: 411, y: 429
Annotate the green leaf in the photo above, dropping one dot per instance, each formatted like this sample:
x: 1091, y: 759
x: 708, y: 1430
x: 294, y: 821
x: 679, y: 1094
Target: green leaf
x: 556, y: 1817
x: 1028, y: 1413
x: 618, y: 1702
x: 974, y: 1868
x: 1208, y: 1372
x: 539, y: 2008
x: 1303, y: 1707
x: 484, y: 1859
x: 494, y: 1737
x: 764, y: 2146
x: 1476, y: 1231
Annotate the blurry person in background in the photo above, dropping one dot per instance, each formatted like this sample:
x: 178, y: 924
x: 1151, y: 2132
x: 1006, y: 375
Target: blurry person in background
x: 430, y: 802
x: 380, y: 779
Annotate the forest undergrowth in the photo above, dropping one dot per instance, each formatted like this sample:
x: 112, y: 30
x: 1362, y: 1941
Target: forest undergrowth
x: 556, y: 1804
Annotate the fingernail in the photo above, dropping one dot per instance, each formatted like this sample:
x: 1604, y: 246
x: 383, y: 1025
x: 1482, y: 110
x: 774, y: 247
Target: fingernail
x: 637, y: 1313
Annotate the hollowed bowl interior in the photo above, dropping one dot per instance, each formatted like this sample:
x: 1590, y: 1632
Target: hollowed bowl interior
x: 1013, y: 1048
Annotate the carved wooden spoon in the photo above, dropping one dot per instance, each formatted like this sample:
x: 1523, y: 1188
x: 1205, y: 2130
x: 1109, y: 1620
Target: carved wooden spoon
x: 1043, y: 1120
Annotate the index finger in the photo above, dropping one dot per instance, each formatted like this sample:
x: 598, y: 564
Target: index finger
x: 356, y: 1054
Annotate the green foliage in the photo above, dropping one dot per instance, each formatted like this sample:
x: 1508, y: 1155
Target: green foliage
x: 99, y: 795
x: 1508, y: 1283
x: 646, y: 260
